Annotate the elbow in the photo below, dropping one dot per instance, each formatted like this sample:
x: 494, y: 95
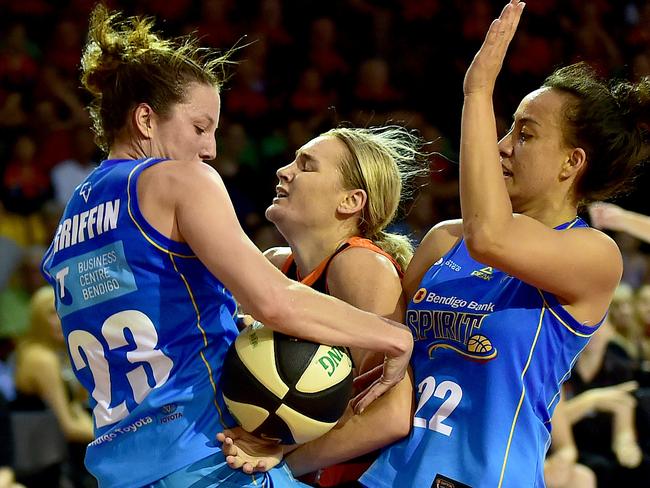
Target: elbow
x: 482, y: 243
x: 399, y: 427
x: 402, y: 427
x: 274, y: 310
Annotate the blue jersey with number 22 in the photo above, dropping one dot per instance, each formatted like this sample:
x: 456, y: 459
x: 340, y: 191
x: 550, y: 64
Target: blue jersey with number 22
x: 147, y: 327
x: 490, y: 355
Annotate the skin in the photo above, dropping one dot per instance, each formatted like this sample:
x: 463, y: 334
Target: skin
x: 560, y: 468
x: 532, y: 172
x: 186, y: 136
x: 609, y: 216
x: 38, y: 372
x: 316, y: 214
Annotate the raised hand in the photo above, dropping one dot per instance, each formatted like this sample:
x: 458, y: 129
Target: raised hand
x: 487, y: 63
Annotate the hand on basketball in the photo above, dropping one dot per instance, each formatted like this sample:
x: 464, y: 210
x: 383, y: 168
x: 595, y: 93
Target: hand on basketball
x: 249, y: 453
x: 486, y: 65
x: 379, y: 380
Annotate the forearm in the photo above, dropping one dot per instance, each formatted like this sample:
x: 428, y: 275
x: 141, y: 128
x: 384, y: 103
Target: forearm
x: 579, y: 406
x: 485, y: 212
x: 360, y: 435
x: 635, y: 224
x: 300, y: 311
x: 623, y: 425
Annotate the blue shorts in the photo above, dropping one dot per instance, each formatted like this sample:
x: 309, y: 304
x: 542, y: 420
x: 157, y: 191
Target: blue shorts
x: 213, y: 471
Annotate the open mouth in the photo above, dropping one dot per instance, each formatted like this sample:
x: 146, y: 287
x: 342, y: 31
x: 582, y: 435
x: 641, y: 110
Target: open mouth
x: 281, y: 192
x: 506, y: 172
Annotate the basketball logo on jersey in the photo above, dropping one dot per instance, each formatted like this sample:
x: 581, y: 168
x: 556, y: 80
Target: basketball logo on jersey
x: 457, y: 331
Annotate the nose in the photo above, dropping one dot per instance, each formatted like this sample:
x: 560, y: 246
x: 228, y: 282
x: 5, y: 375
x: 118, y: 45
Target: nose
x: 285, y: 173
x: 209, y: 152
x: 505, y: 146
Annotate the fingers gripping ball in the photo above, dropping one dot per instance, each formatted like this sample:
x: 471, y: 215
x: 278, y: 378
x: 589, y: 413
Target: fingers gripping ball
x: 280, y: 387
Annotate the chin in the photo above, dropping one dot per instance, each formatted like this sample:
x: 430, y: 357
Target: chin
x: 273, y: 213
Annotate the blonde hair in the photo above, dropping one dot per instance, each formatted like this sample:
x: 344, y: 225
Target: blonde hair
x: 382, y: 161
x: 41, y: 306
x: 125, y: 63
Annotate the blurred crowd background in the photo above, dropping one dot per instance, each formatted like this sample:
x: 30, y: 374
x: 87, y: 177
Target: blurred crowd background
x: 303, y: 67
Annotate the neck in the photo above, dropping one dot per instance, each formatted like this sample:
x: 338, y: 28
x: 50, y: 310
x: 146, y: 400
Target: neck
x: 551, y: 212
x: 125, y: 147
x: 311, y: 247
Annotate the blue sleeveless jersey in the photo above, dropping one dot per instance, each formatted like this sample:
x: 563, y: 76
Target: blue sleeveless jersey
x: 490, y: 355
x: 147, y: 327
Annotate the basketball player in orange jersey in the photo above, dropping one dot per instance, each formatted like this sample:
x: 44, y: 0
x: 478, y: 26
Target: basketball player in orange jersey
x: 333, y: 204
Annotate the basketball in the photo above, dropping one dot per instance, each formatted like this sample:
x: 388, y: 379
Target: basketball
x: 282, y: 388
x: 479, y: 343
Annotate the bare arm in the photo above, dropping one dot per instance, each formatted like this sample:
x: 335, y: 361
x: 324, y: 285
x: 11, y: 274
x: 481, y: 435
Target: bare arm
x: 617, y: 401
x: 368, y: 281
x: 260, y: 287
x: 562, y: 263
x: 360, y: 434
x: 187, y: 201
x: 613, y: 217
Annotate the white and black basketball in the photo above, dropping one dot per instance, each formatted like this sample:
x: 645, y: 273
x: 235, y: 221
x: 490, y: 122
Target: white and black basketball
x: 280, y: 387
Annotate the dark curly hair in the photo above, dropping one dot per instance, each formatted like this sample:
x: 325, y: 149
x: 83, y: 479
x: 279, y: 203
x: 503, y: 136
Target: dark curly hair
x: 610, y: 120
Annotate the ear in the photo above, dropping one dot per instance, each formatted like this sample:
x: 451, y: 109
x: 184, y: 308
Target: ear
x: 574, y: 164
x: 143, y: 123
x: 353, y: 202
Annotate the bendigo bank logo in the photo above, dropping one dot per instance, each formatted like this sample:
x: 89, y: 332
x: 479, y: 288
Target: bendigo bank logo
x: 457, y: 330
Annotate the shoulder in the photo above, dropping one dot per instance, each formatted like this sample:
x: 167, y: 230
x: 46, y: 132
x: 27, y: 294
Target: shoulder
x: 361, y: 262
x: 602, y: 248
x: 440, y: 239
x: 177, y: 177
x: 435, y: 244
x: 37, y: 358
x: 277, y: 255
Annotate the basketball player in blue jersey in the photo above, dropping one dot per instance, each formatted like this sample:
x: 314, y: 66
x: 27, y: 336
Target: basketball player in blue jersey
x: 333, y: 204
x: 502, y: 302
x: 143, y: 262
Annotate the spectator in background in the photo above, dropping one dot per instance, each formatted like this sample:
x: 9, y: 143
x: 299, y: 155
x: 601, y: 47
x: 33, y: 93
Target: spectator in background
x: 642, y: 307
x: 561, y: 469
x: 324, y: 53
x: 373, y: 90
x: 18, y: 58
x: 44, y: 380
x: 602, y: 407
x: 612, y: 217
x: 628, y: 335
x: 66, y: 175
x: 7, y: 476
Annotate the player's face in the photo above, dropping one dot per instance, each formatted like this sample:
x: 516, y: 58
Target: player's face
x: 189, y: 131
x: 310, y: 188
x: 533, y: 151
